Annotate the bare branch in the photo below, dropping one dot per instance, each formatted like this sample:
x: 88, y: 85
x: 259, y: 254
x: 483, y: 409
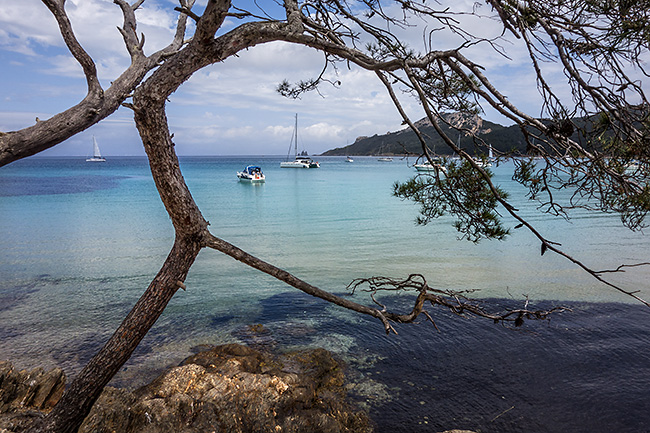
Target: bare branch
x: 57, y: 7
x: 98, y: 104
x: 236, y: 253
x: 456, y: 302
x: 622, y: 268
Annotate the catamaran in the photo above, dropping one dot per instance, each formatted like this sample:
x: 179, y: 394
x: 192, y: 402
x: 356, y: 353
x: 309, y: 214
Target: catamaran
x: 300, y: 160
x: 97, y: 156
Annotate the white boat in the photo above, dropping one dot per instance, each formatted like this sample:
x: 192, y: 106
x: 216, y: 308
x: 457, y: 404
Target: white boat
x: 485, y: 162
x: 300, y: 160
x: 482, y: 162
x: 348, y: 159
x: 385, y: 159
x: 251, y: 174
x: 97, y: 156
x: 426, y: 166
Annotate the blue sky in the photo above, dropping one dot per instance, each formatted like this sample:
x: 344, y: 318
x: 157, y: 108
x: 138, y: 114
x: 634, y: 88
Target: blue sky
x: 227, y: 109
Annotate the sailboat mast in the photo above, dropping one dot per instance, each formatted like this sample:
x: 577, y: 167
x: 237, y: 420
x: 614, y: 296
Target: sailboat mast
x: 295, y: 131
x: 96, y: 153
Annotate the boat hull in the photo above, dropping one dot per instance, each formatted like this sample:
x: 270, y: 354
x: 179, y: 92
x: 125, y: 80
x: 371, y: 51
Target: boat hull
x: 251, y: 174
x: 294, y: 164
x: 251, y: 179
x: 424, y: 167
x: 300, y: 162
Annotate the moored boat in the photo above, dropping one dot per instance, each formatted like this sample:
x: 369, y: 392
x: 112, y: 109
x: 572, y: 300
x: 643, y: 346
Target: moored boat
x: 426, y: 165
x: 301, y: 160
x: 251, y: 174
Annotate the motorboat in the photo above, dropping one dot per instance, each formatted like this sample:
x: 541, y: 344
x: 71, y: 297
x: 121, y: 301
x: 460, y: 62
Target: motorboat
x: 348, y: 159
x: 385, y: 159
x: 251, y: 174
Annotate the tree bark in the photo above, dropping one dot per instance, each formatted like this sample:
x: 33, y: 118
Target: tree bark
x: 98, y: 103
x: 71, y: 410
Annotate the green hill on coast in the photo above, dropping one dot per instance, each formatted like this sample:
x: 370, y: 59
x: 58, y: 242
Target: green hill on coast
x: 476, y: 133
x: 502, y: 138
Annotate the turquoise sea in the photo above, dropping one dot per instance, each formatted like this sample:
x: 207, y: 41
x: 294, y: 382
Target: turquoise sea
x: 79, y: 243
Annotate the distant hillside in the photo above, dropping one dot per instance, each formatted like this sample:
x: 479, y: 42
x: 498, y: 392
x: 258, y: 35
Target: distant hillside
x: 503, y: 138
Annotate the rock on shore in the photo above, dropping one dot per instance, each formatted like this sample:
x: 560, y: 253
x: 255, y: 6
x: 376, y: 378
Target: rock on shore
x: 229, y: 388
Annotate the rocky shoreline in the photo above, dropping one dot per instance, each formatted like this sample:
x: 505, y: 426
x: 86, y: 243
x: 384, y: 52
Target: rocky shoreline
x: 230, y: 388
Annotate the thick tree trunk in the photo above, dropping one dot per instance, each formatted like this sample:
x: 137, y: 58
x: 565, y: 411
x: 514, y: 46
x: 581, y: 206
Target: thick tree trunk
x: 69, y: 413
x: 190, y: 227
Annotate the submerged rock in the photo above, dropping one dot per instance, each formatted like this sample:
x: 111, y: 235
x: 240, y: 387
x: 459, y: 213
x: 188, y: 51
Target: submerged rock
x: 229, y: 388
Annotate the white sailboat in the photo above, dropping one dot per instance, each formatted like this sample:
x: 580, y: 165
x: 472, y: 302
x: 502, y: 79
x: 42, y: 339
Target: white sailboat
x: 97, y: 156
x: 300, y: 161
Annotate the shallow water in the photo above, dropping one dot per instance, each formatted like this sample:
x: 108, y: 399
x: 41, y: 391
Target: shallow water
x: 80, y: 242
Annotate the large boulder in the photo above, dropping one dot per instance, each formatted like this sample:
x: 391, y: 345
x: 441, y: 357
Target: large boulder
x: 229, y: 388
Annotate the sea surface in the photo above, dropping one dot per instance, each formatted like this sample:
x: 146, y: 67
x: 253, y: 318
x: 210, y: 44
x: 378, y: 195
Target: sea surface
x: 80, y: 242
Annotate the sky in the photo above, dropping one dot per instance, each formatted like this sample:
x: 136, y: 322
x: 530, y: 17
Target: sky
x: 231, y: 108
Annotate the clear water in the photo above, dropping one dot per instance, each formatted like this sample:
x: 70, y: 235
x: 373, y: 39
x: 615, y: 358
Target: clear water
x: 79, y: 242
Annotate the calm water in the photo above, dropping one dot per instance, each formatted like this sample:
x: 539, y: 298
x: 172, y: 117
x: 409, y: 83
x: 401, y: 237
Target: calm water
x: 80, y: 242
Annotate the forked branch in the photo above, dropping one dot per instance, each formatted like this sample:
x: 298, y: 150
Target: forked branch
x: 456, y: 302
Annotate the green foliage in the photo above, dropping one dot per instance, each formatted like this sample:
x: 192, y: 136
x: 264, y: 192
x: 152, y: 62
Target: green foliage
x: 461, y: 192
x: 633, y: 207
x: 527, y: 174
x: 295, y: 91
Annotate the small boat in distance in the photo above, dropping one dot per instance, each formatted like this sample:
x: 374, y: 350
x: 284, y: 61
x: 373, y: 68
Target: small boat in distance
x: 426, y: 165
x: 485, y: 162
x: 385, y: 159
x: 251, y: 174
x: 97, y: 156
x: 348, y: 159
x: 482, y: 162
x: 301, y: 160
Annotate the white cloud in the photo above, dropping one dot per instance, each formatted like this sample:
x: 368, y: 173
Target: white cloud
x: 233, y: 106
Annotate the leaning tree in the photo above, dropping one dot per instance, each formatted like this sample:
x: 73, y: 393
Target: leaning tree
x: 585, y: 143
